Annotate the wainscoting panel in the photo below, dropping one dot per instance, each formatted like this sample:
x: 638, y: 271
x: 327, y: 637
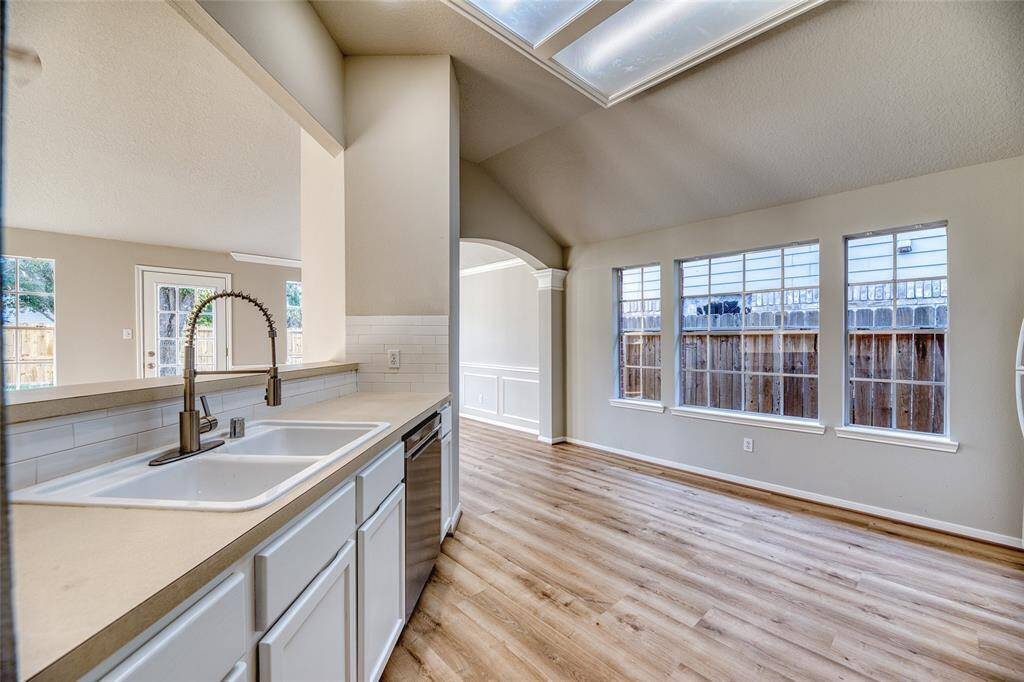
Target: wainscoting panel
x: 501, y: 394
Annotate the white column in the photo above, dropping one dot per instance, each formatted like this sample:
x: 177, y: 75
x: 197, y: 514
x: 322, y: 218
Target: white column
x: 551, y: 292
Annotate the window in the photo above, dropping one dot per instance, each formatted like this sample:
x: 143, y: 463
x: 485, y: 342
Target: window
x: 749, y: 332
x: 639, y: 309
x: 175, y: 305
x: 29, y: 323
x: 293, y: 314
x: 896, y: 319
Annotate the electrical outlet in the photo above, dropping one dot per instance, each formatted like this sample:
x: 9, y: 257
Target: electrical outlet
x: 748, y: 445
x: 394, y: 359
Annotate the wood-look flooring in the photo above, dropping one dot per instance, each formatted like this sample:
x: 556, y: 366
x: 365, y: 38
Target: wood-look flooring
x: 574, y: 564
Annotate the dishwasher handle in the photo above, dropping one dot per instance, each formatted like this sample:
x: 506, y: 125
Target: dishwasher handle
x: 423, y: 444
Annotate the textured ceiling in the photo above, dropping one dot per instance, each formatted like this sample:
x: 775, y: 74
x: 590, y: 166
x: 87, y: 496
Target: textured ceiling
x: 850, y: 95
x: 505, y: 98
x: 137, y: 128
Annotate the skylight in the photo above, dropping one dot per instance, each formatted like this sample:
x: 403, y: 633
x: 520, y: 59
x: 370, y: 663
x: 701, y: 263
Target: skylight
x: 532, y: 20
x: 613, y: 49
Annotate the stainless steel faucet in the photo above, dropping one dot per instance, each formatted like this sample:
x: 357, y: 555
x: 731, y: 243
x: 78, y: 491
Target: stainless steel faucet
x: 190, y: 423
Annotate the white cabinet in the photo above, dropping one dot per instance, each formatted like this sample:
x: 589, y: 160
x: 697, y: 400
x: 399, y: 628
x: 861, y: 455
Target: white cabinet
x: 285, y: 566
x: 381, y: 584
x: 201, y: 644
x: 446, y: 484
x: 315, y: 639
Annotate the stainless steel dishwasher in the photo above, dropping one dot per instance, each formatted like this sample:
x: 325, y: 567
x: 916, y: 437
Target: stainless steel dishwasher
x: 422, y: 506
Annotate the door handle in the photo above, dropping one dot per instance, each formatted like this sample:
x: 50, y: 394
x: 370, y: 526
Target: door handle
x: 150, y: 365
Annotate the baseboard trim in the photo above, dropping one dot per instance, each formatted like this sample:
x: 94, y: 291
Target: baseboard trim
x: 880, y: 512
x: 551, y: 441
x: 495, y: 422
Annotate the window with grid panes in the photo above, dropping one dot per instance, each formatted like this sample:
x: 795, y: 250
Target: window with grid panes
x: 749, y: 332
x: 29, y: 323
x: 639, y: 332
x: 897, y: 316
x: 293, y: 321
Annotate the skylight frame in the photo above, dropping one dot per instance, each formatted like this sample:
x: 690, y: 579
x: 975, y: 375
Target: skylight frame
x: 586, y: 19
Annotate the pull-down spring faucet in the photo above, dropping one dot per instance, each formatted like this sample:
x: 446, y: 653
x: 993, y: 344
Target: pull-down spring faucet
x: 190, y: 423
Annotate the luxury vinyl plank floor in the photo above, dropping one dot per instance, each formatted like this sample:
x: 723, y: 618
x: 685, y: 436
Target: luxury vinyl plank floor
x: 571, y: 564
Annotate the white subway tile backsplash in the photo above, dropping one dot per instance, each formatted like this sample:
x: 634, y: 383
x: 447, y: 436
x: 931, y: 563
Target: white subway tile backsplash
x: 422, y: 340
x: 47, y: 448
x: 76, y: 459
x: 242, y: 397
x: 105, y: 428
x: 21, y: 474
x: 155, y: 438
x: 31, y: 444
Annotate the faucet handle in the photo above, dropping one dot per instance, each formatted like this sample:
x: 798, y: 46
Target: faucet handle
x: 207, y: 422
x: 206, y: 406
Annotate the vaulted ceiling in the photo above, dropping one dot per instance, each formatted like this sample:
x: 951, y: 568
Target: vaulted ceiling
x: 849, y: 95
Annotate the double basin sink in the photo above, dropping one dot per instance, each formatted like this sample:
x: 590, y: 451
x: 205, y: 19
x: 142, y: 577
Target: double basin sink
x: 244, y: 473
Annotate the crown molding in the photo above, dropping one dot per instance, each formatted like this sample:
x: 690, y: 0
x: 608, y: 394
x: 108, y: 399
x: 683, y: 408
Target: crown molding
x: 266, y: 260
x: 491, y: 267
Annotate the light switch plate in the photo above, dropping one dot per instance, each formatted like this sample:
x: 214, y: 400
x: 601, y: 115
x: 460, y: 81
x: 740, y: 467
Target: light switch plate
x: 394, y: 359
x: 126, y: 334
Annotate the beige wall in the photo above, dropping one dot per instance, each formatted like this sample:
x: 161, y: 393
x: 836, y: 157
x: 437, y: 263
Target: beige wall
x: 499, y: 313
x: 398, y: 184
x: 979, y: 487
x: 95, y: 299
x: 491, y: 215
x: 270, y: 31
x: 322, y: 221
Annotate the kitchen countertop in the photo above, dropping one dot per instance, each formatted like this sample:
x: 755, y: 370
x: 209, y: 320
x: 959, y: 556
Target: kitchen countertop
x: 89, y: 579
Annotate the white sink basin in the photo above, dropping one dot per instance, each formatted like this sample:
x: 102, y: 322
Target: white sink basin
x: 242, y: 474
x: 297, y: 441
x: 214, y: 479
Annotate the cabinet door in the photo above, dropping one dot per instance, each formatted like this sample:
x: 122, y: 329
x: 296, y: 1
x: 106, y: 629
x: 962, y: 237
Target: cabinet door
x: 446, y: 485
x: 315, y: 639
x: 381, y: 584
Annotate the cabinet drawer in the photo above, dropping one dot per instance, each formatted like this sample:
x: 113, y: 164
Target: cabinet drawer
x: 201, y: 644
x: 284, y: 567
x: 375, y: 482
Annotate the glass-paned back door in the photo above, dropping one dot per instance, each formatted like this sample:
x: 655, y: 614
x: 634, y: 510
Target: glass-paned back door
x: 167, y: 299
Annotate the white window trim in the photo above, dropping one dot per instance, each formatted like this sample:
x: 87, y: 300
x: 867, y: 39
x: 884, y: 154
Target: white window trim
x: 617, y: 363
x: 902, y: 438
x: 939, y: 442
x: 750, y: 419
x: 782, y: 331
x: 642, y: 405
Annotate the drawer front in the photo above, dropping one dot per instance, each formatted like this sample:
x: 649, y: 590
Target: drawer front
x: 285, y: 566
x: 375, y: 482
x: 202, y: 644
x: 446, y: 419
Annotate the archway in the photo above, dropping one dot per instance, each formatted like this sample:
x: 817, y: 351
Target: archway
x: 511, y: 341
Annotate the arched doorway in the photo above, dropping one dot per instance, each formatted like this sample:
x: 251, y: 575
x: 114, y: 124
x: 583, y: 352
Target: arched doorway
x: 511, y: 339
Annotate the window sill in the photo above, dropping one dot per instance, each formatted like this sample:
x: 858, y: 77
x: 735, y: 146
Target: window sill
x: 889, y: 437
x: 642, y: 405
x: 770, y: 422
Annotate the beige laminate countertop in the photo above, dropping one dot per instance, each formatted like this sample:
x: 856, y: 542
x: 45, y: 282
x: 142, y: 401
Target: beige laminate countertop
x: 89, y: 579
